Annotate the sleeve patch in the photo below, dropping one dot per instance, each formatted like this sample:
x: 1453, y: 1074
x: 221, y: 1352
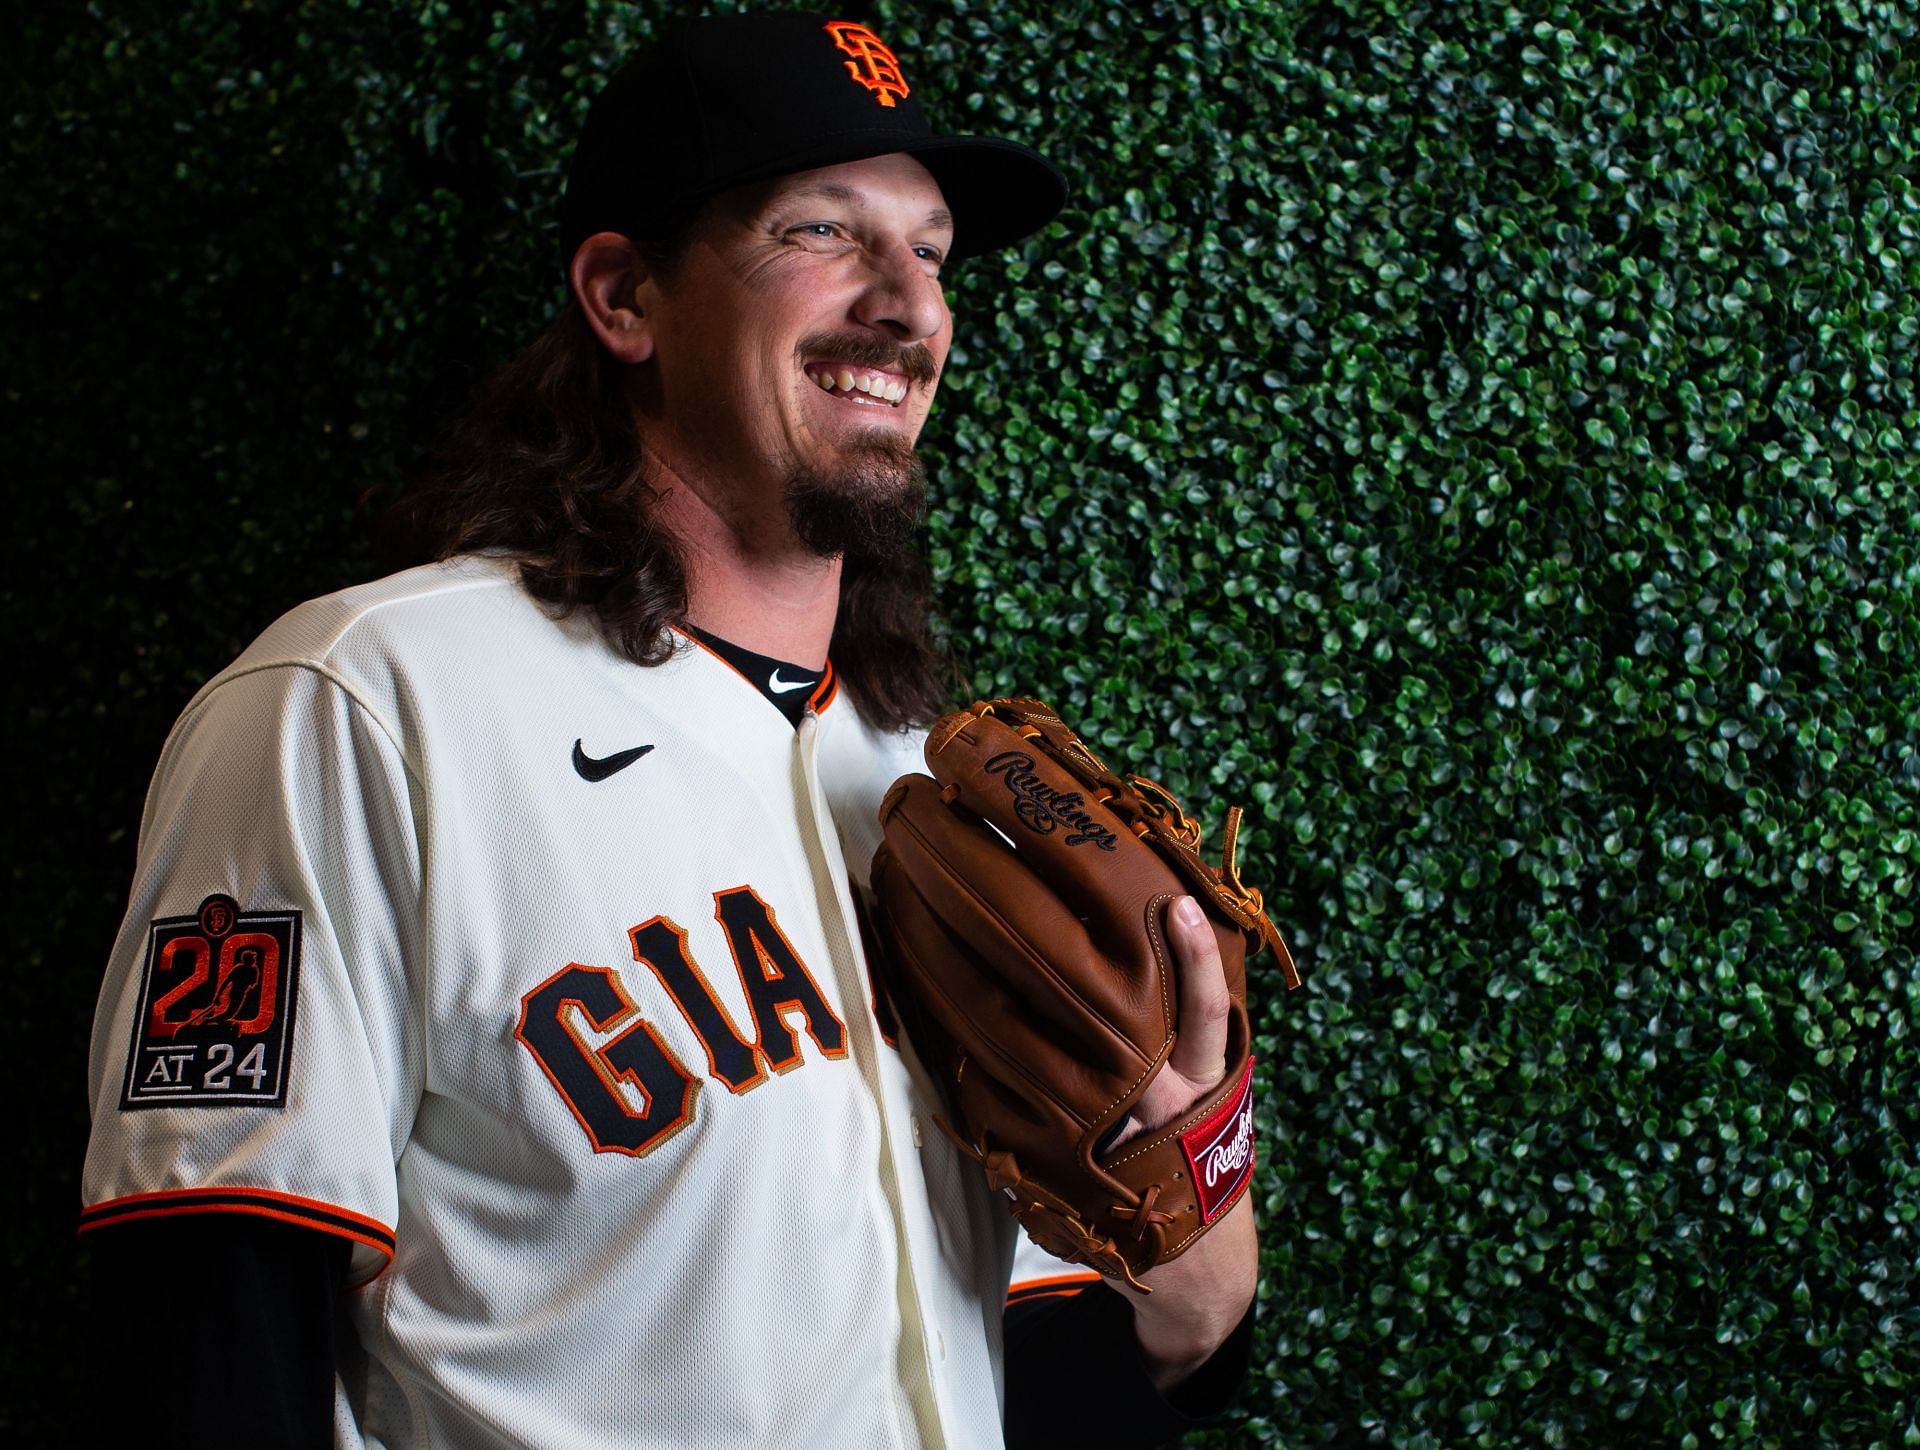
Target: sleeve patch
x: 214, y: 1025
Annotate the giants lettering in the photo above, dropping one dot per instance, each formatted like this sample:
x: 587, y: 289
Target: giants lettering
x: 590, y: 1078
x: 775, y: 981
x: 596, y: 1081
x: 662, y: 945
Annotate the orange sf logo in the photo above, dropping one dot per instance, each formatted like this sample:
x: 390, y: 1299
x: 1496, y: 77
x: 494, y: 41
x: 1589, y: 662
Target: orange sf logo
x: 873, y: 65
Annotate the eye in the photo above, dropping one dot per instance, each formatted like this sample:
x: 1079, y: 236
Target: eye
x: 929, y: 254
x: 826, y: 231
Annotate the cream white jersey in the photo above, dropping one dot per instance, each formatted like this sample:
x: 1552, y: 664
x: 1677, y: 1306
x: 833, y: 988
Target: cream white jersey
x: 538, y: 975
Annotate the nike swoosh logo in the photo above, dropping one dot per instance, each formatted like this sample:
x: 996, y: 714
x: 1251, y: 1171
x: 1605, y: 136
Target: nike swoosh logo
x: 783, y: 687
x: 591, y: 769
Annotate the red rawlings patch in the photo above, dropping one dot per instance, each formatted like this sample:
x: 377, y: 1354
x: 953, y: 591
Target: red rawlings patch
x: 1219, y: 1150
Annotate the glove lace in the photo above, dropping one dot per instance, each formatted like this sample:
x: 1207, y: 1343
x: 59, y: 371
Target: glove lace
x: 1145, y: 1216
x: 1248, y: 899
x: 1166, y: 810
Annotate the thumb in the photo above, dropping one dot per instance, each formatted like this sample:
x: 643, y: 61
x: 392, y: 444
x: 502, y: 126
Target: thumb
x: 1206, y: 1007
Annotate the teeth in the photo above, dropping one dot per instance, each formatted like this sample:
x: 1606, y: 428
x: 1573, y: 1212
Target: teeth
x: 845, y: 381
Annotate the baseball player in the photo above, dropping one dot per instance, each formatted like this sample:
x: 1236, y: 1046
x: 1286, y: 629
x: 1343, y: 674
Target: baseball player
x: 492, y: 1053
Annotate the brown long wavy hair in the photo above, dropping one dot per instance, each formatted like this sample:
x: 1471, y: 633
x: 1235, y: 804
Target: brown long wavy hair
x: 547, y: 464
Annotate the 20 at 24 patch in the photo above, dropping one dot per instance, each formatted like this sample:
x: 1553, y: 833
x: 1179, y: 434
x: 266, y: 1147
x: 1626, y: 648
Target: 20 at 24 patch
x: 215, y: 1018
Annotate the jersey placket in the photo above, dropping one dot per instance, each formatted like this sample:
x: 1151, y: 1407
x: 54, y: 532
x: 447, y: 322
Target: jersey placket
x: 830, y: 879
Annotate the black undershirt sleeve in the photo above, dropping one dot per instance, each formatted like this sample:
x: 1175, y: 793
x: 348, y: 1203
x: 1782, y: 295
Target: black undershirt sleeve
x: 221, y: 1331
x: 1076, y: 1376
x: 218, y: 1329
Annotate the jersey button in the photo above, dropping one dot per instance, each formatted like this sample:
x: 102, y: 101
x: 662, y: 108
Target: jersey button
x: 914, y: 1123
x: 940, y: 1340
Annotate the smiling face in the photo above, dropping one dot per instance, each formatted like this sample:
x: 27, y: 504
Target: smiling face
x: 796, y: 348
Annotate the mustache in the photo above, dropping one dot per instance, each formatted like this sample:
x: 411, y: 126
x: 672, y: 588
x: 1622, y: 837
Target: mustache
x: 914, y: 360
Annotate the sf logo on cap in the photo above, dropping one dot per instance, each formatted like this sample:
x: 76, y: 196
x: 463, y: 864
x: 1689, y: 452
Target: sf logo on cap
x: 873, y: 65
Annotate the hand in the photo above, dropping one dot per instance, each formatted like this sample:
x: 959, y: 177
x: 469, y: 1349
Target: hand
x: 1198, y: 1298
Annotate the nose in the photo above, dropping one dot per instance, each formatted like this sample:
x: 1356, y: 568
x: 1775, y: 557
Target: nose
x: 902, y: 298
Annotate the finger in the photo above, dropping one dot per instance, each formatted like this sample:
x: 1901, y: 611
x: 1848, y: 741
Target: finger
x: 1200, y: 1051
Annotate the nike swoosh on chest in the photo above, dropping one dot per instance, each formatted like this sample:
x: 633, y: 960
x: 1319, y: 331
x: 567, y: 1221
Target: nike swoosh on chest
x: 588, y: 768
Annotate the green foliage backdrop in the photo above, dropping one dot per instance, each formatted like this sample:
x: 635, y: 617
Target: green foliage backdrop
x: 1482, y: 439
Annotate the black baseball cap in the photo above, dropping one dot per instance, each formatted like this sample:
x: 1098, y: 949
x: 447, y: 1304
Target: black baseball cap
x: 724, y: 100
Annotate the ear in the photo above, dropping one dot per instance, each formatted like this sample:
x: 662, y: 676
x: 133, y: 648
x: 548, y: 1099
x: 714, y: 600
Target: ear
x: 607, y: 278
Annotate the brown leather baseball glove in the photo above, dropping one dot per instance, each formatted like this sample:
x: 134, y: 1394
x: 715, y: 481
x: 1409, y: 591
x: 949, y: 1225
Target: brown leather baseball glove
x: 1025, y: 889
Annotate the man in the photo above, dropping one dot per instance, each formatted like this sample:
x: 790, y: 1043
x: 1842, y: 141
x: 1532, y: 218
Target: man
x: 490, y: 1055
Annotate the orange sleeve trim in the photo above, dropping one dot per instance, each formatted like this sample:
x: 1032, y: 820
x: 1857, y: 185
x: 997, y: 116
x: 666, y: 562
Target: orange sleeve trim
x: 1052, y: 1286
x: 260, y: 1202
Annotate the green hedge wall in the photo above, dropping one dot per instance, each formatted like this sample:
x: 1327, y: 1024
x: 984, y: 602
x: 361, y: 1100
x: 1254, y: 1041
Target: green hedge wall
x: 1483, y: 440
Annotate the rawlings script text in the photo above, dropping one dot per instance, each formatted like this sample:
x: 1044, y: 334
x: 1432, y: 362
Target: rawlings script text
x: 1230, y: 1157
x: 1220, y: 1151
x: 1042, y: 808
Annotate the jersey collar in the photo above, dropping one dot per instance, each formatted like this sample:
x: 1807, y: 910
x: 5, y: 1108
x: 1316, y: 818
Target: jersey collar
x: 788, y: 687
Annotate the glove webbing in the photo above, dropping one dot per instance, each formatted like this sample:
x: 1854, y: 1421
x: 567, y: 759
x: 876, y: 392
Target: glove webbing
x: 1164, y: 817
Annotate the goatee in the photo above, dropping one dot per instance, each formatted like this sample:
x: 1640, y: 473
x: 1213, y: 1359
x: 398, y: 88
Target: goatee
x: 868, y: 510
